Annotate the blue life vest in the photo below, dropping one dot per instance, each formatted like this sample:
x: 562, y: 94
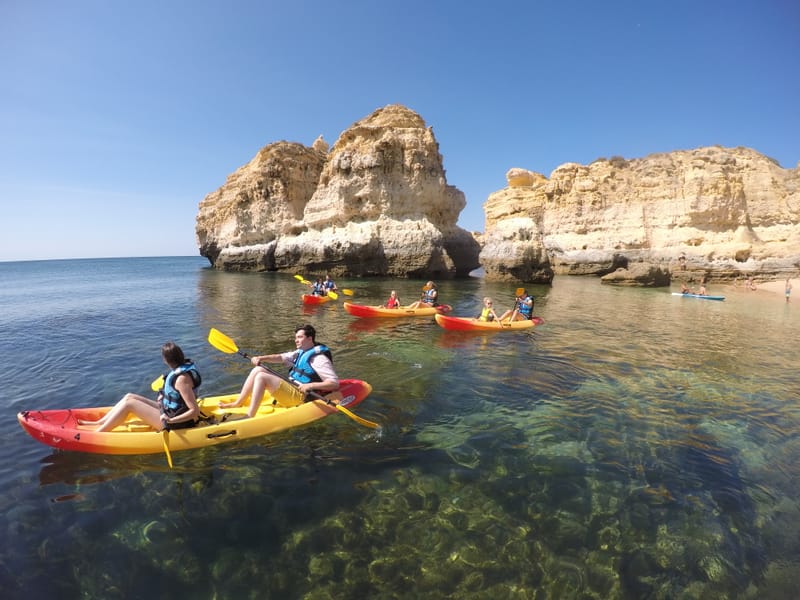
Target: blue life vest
x: 318, y: 289
x: 329, y: 285
x: 302, y: 371
x: 525, y: 310
x: 172, y: 403
x: 430, y: 296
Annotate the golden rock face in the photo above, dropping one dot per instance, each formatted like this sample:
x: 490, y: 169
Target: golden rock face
x: 376, y: 203
x: 729, y: 210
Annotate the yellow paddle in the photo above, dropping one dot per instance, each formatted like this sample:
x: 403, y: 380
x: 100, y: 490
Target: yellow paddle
x: 302, y: 280
x: 222, y: 342
x: 333, y: 295
x: 157, y: 386
x: 165, y: 441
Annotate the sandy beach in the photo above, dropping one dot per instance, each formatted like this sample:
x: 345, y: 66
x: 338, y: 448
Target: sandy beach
x: 768, y: 287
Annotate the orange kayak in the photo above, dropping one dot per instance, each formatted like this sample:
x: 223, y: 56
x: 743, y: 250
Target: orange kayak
x: 60, y: 429
x: 471, y: 324
x: 360, y: 310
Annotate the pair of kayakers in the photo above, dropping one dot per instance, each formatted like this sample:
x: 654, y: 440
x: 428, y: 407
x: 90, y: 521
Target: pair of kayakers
x: 522, y: 310
x: 311, y: 373
x: 321, y: 287
x: 701, y: 291
x: 429, y: 297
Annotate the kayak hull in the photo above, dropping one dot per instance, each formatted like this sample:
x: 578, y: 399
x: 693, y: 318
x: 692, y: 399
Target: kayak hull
x: 360, y: 310
x: 313, y: 299
x: 59, y: 428
x: 699, y: 296
x: 472, y: 324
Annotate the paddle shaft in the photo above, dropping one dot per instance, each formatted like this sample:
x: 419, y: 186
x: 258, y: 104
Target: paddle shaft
x: 165, y: 441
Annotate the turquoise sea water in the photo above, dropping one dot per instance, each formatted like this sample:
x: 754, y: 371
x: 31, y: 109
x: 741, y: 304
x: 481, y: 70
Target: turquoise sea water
x: 637, y: 445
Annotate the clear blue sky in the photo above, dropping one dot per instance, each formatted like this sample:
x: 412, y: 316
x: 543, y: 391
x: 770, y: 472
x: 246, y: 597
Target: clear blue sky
x: 117, y: 118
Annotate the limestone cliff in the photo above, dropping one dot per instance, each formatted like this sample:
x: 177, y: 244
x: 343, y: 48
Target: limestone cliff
x: 377, y: 203
x: 728, y: 211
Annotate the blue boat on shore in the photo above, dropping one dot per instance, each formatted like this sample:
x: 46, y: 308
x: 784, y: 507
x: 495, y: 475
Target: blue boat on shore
x: 701, y: 296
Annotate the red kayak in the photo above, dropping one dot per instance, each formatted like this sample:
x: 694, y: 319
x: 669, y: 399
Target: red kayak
x: 360, y: 310
x: 314, y: 299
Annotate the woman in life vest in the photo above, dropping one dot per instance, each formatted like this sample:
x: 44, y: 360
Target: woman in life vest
x: 430, y: 296
x: 393, y: 301
x: 487, y: 313
x: 523, y: 307
x: 318, y: 288
x: 176, y: 406
x: 311, y: 370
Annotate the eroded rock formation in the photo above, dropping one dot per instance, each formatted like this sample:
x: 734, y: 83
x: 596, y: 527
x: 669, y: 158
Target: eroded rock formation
x: 729, y: 211
x: 377, y: 203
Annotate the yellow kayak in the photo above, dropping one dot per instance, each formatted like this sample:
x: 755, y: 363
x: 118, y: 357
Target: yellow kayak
x: 361, y: 310
x: 59, y: 428
x: 472, y: 324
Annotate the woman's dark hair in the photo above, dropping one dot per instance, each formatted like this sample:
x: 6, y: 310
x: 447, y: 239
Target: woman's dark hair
x: 173, y: 355
x: 309, y: 331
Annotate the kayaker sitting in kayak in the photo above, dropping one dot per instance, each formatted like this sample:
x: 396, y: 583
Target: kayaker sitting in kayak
x: 176, y: 406
x: 487, y: 313
x: 685, y: 289
x: 393, y: 301
x: 523, y: 307
x: 318, y: 288
x: 311, y: 371
x: 430, y: 296
x: 329, y: 285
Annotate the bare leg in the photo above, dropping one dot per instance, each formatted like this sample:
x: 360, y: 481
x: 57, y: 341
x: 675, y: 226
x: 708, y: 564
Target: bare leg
x: 142, y: 407
x: 247, y: 388
x: 263, y: 381
x: 254, y: 386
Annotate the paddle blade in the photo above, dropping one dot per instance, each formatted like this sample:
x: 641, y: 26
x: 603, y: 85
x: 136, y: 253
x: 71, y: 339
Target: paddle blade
x: 333, y: 295
x: 298, y: 277
x: 356, y: 418
x: 157, y: 384
x: 347, y: 292
x: 222, y: 342
x: 520, y: 291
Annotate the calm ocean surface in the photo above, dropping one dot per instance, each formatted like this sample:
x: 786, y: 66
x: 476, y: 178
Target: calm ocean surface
x: 637, y: 445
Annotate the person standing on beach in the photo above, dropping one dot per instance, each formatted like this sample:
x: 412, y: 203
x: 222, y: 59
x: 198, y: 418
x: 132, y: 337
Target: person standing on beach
x: 788, y: 289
